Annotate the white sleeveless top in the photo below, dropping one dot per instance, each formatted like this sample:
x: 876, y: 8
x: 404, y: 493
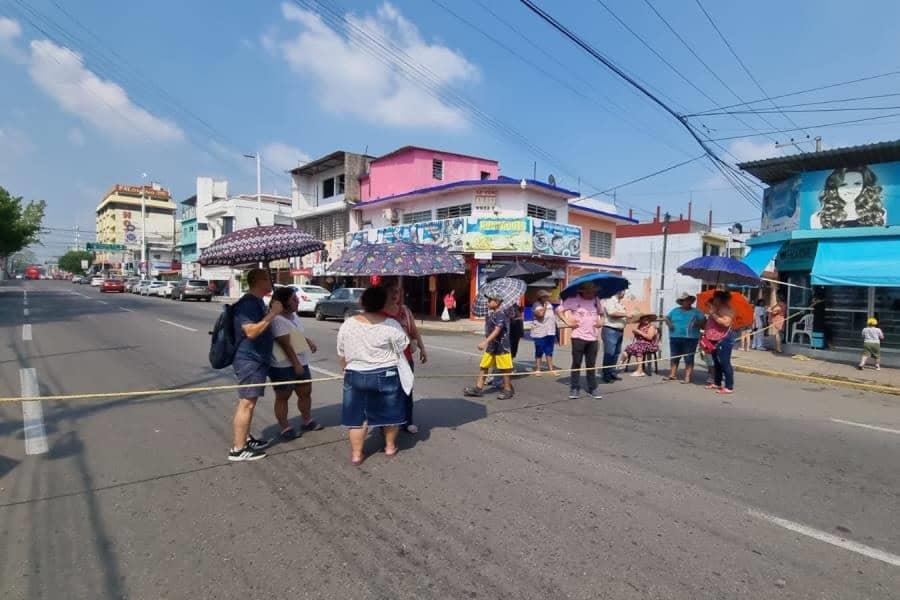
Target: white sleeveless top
x: 366, y: 347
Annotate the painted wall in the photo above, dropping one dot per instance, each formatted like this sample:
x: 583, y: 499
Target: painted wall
x: 589, y: 222
x: 412, y: 170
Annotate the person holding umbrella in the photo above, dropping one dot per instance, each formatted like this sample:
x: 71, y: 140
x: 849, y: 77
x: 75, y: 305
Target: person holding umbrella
x: 583, y: 314
x: 495, y: 345
x: 718, y: 341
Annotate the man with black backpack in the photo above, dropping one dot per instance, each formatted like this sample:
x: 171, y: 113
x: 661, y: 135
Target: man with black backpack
x: 252, y: 358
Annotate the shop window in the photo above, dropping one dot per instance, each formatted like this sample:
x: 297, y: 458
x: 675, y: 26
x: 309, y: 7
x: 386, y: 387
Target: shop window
x: 328, y: 187
x: 600, y: 244
x: 541, y: 212
x: 421, y: 216
x: 437, y: 168
x: 452, y: 212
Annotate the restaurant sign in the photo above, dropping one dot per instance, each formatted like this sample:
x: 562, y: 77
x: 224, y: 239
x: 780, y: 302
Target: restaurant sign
x: 498, y: 235
x: 447, y: 233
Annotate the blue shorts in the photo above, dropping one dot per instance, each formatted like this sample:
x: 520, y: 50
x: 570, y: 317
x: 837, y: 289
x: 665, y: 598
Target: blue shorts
x: 543, y: 346
x: 679, y: 346
x: 374, y: 397
x: 279, y: 374
x: 251, y: 373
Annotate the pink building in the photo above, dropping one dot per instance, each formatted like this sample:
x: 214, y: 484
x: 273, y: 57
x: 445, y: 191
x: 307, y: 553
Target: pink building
x: 413, y: 168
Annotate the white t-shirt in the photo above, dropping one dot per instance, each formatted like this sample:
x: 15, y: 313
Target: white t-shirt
x: 872, y: 334
x: 614, y: 305
x: 293, y: 327
x: 366, y: 347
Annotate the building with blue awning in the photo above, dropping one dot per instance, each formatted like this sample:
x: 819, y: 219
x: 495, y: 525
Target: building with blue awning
x: 831, y: 228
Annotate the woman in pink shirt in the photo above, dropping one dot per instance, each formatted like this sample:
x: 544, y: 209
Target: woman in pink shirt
x: 582, y: 314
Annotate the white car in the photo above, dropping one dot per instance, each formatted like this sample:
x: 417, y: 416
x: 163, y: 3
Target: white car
x: 96, y: 281
x: 150, y: 288
x: 309, y: 296
x: 165, y: 290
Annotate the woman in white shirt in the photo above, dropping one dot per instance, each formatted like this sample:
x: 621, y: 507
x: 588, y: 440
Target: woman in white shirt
x: 290, y: 362
x: 369, y: 348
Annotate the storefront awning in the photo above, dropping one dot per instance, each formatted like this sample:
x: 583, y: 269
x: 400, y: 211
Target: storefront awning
x: 863, y: 262
x: 761, y: 255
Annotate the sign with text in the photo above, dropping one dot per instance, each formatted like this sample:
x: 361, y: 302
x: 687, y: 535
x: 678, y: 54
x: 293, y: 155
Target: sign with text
x: 498, y: 235
x: 99, y: 247
x: 447, y: 233
x: 556, y: 239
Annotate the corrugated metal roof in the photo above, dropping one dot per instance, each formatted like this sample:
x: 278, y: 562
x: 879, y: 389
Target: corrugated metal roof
x: 779, y: 168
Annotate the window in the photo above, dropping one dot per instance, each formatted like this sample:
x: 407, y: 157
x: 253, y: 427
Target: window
x: 711, y: 249
x: 437, y: 168
x: 601, y: 244
x: 416, y: 217
x: 485, y: 175
x: 326, y: 227
x: 202, y: 227
x: 541, y: 212
x: 227, y: 225
x: 328, y: 188
x: 341, y: 181
x: 452, y: 212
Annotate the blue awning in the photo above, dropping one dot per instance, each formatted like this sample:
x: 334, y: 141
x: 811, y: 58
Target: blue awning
x: 761, y: 255
x: 860, y: 261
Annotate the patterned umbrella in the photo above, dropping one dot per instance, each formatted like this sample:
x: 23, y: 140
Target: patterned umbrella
x: 720, y: 269
x: 507, y: 289
x: 396, y: 258
x: 259, y: 244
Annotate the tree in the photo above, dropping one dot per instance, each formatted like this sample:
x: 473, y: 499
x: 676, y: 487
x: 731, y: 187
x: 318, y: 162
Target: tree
x: 20, y: 225
x: 20, y: 260
x: 71, y: 261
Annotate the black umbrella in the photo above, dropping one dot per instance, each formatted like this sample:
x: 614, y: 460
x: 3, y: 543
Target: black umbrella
x: 525, y: 271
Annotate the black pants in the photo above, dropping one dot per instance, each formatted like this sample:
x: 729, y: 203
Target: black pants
x: 583, y: 349
x: 516, y: 332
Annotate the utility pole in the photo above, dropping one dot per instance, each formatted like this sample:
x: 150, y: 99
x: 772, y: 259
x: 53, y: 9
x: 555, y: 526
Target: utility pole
x: 258, y: 185
x: 144, y: 270
x: 662, y: 274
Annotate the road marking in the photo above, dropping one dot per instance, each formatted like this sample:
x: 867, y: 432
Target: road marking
x: 26, y: 312
x: 32, y: 414
x: 102, y: 301
x: 26, y: 333
x: 176, y: 325
x: 125, y: 309
x: 865, y: 426
x: 823, y: 536
x: 454, y: 350
x: 80, y: 294
x: 325, y: 372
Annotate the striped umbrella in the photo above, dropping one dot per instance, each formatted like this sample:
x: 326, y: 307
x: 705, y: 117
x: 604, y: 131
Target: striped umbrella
x: 259, y: 245
x: 509, y: 291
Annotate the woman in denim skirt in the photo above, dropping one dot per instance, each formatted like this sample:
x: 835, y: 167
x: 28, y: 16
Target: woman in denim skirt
x: 367, y: 352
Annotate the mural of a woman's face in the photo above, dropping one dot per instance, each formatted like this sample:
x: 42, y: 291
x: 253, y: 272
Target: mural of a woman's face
x: 851, y: 187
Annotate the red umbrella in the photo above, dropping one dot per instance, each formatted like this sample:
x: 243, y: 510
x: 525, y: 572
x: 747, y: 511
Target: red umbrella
x: 743, y: 310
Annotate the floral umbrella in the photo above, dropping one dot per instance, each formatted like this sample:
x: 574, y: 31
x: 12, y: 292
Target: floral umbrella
x: 396, y: 259
x: 259, y: 245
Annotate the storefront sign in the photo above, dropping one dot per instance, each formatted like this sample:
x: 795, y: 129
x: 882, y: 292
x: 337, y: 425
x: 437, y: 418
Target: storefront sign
x: 447, y: 233
x: 556, y: 239
x: 216, y: 273
x: 130, y: 227
x: 498, y: 235
x: 797, y: 255
x: 302, y: 272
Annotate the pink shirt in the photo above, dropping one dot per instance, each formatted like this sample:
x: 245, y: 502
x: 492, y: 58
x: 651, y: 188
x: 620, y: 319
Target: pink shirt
x: 585, y: 314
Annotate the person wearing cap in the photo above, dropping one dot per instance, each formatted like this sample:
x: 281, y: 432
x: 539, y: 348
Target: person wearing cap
x: 543, y: 332
x: 583, y: 314
x: 684, y: 323
x: 495, y: 346
x: 872, y: 337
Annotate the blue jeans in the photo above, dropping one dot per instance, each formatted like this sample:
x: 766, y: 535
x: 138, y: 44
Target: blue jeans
x: 612, y: 347
x: 374, y: 397
x: 722, y: 362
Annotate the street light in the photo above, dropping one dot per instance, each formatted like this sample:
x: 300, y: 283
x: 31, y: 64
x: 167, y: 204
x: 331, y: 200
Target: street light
x: 258, y: 184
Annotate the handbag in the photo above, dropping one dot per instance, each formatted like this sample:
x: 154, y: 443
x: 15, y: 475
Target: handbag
x: 407, y: 379
x: 711, y: 339
x: 445, y: 316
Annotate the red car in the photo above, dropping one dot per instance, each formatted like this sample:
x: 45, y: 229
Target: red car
x: 112, y: 285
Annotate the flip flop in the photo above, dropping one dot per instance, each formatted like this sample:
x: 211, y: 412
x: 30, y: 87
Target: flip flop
x: 391, y: 454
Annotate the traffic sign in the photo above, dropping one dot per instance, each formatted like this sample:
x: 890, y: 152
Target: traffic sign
x: 97, y: 246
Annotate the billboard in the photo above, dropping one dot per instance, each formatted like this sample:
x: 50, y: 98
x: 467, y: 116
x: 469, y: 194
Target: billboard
x: 447, y: 234
x: 846, y: 197
x: 131, y: 227
x: 556, y: 239
x: 498, y: 235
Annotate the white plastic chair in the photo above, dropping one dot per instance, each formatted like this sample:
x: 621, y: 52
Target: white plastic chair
x: 803, y: 328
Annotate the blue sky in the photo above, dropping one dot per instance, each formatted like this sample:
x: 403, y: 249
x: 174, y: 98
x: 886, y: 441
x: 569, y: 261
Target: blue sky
x: 97, y: 93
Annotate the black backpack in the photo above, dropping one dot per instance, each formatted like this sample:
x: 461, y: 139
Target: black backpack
x: 223, y: 344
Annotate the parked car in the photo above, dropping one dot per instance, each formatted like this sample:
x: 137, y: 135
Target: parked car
x: 96, y: 280
x: 342, y: 303
x: 192, y: 288
x: 165, y: 290
x: 310, y: 296
x: 151, y: 287
x: 136, y: 287
x: 112, y: 285
x: 75, y: 278
x: 130, y: 283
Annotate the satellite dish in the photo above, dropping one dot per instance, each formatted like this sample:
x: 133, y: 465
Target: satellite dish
x: 551, y: 180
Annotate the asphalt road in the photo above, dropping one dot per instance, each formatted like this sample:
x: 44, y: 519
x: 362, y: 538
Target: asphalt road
x: 660, y: 490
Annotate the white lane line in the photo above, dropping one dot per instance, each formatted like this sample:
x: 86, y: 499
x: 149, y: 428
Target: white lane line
x: 865, y: 426
x: 824, y: 536
x: 322, y: 371
x: 80, y: 294
x: 176, y: 325
x: 454, y: 350
x: 26, y: 333
x: 26, y: 312
x: 125, y: 309
x: 32, y: 414
x: 102, y: 301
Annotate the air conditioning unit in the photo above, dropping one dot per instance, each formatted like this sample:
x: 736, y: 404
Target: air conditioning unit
x: 392, y: 215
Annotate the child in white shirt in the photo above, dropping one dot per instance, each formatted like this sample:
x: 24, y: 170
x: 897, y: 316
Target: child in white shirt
x: 872, y: 337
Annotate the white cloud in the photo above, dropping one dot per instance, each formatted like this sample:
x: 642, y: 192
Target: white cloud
x: 10, y: 32
x: 76, y: 137
x: 61, y: 74
x: 282, y: 157
x: 348, y: 80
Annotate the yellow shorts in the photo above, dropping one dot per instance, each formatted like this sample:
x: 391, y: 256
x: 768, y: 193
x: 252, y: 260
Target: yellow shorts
x: 501, y: 362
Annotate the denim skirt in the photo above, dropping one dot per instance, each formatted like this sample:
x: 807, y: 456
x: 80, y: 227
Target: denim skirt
x: 374, y: 397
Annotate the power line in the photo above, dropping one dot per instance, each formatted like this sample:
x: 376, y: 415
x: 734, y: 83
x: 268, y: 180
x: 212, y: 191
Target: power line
x: 644, y: 177
x: 802, y: 110
x: 715, y: 111
x: 818, y: 126
x: 743, y: 65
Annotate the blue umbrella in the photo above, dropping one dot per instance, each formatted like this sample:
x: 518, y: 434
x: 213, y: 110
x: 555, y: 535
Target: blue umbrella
x: 507, y: 289
x: 720, y: 269
x: 607, y: 284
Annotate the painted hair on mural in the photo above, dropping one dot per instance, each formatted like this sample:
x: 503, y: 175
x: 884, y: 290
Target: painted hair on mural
x: 840, y: 188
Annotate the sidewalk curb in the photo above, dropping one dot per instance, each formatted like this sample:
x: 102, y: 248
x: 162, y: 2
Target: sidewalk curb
x: 869, y: 387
